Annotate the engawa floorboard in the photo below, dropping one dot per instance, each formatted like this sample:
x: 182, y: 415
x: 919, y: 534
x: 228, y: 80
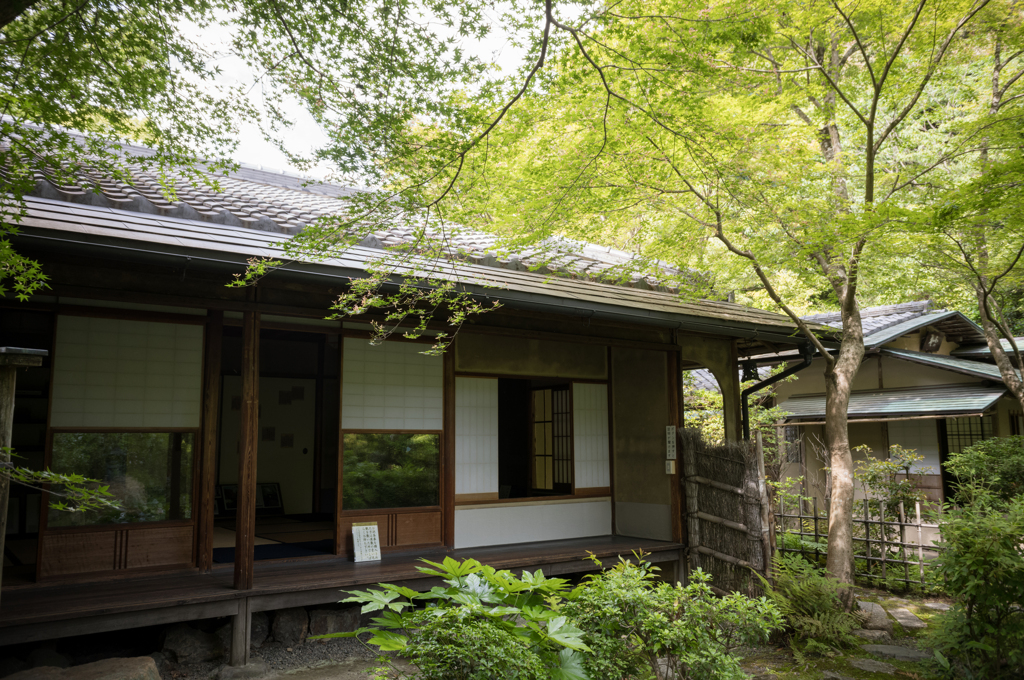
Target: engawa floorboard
x: 44, y: 602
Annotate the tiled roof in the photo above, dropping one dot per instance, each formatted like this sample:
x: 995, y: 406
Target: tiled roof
x: 977, y: 369
x: 704, y: 379
x: 279, y: 203
x: 937, y: 401
x: 875, y: 319
x: 982, y: 350
x: 95, y: 226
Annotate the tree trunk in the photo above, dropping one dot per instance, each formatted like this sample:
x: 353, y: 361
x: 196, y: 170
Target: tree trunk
x: 12, y: 9
x: 838, y: 384
x: 993, y: 337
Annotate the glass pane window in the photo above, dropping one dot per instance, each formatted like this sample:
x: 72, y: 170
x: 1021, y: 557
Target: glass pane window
x: 391, y: 470
x: 149, y: 473
x: 962, y: 432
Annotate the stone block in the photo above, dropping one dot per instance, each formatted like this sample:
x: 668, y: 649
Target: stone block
x: 290, y: 626
x: 873, y: 635
x: 897, y: 652
x: 875, y: 617
x: 908, y: 619
x: 872, y: 666
x: 327, y: 621
x: 259, y: 629
x: 135, y: 668
x: 186, y: 644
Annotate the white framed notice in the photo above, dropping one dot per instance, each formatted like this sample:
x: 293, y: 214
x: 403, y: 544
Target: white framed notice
x: 366, y: 541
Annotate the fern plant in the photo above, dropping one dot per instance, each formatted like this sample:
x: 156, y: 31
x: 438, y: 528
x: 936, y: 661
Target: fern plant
x: 811, y: 604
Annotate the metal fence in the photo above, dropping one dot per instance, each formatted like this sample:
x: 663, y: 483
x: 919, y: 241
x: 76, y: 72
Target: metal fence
x: 877, y: 556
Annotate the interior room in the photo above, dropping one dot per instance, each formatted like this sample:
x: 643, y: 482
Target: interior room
x: 297, y: 454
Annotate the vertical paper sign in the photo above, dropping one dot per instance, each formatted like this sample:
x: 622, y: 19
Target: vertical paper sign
x: 366, y: 541
x: 670, y: 442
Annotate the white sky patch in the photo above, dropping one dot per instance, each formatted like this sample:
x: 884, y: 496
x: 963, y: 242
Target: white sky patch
x: 305, y: 134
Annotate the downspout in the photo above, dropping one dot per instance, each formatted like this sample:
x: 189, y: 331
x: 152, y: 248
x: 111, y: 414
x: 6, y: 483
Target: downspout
x: 806, y: 352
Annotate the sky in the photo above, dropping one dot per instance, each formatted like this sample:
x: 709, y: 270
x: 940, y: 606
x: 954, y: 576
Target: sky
x: 305, y: 134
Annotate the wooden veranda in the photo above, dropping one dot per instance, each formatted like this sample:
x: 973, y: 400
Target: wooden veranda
x: 47, y: 611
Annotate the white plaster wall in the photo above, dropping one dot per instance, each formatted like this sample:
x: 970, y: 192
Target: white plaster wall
x: 922, y: 436
x: 525, y: 522
x: 476, y: 435
x: 590, y: 434
x: 121, y: 373
x: 643, y: 520
x: 390, y: 386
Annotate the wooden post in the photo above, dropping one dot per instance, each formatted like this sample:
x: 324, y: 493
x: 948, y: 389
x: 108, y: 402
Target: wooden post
x: 211, y: 419
x: 765, y: 510
x: 674, y: 418
x: 245, y: 516
x: 10, y: 359
x: 448, y: 449
x: 339, y: 540
x: 318, y: 427
x: 241, y: 633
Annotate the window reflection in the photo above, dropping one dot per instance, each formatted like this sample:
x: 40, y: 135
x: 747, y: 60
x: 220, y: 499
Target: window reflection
x: 390, y: 470
x: 149, y: 473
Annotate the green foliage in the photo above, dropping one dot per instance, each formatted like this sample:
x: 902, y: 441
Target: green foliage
x: 69, y: 492
x: 882, y: 481
x: 640, y: 627
x: 997, y: 464
x: 982, y: 567
x: 391, y: 470
x: 811, y: 603
x: 468, y: 629
x: 621, y: 623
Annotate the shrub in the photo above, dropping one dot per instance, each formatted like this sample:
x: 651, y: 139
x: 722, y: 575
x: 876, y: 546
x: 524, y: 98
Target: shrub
x: 995, y: 463
x: 639, y: 627
x: 811, y: 603
x: 982, y: 566
x: 619, y: 624
x: 485, y: 624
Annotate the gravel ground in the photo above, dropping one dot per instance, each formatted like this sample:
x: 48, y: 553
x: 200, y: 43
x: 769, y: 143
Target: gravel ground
x: 279, y: 659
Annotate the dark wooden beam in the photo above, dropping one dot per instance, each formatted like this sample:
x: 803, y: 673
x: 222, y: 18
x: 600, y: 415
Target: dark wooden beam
x: 245, y: 517
x: 448, y: 451
x: 339, y: 540
x: 211, y: 418
x: 675, y: 412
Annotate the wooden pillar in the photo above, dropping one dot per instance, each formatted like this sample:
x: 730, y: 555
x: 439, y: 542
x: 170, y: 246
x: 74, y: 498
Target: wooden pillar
x: 448, y: 450
x: 245, y: 516
x: 211, y: 419
x: 318, y: 426
x: 339, y: 540
x: 241, y: 633
x: 9, y: 362
x: 675, y: 399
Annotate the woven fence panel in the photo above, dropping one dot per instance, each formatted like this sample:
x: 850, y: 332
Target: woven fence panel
x: 732, y: 464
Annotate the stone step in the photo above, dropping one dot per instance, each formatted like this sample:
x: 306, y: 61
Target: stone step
x: 907, y: 619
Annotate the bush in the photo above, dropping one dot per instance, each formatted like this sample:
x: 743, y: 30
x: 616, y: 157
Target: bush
x: 468, y: 630
x: 982, y: 566
x: 811, y: 603
x: 619, y: 624
x: 995, y: 463
x: 639, y: 627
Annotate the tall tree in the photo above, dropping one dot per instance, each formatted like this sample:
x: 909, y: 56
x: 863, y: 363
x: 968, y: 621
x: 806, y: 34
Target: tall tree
x: 795, y: 136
